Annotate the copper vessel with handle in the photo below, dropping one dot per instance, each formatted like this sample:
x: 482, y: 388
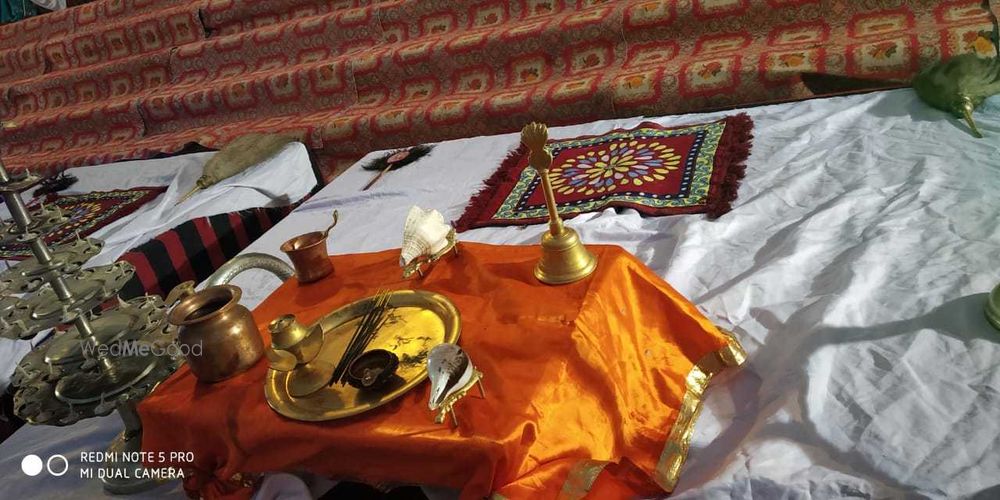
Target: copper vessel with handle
x: 308, y: 254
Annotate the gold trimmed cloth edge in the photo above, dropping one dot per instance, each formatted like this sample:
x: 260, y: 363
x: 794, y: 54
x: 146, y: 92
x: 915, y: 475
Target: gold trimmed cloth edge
x: 583, y: 474
x: 679, y: 440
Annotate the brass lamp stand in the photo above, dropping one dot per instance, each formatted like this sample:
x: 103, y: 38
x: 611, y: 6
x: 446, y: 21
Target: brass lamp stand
x: 564, y: 258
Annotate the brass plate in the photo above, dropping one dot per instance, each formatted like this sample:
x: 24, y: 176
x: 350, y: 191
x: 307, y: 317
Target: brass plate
x: 418, y: 321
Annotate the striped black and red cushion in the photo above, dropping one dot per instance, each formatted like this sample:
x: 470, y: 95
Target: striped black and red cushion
x: 195, y: 249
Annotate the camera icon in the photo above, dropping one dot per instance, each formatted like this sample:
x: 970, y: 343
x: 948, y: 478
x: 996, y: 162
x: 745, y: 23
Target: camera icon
x: 32, y: 465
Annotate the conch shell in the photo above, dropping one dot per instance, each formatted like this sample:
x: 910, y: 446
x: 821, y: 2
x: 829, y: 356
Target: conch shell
x: 424, y: 233
x: 450, y: 371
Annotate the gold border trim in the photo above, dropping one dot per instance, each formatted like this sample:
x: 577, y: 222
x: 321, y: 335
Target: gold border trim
x: 583, y: 474
x: 581, y: 478
x: 679, y: 441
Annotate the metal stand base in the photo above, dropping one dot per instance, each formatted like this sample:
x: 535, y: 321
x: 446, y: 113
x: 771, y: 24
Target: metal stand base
x: 118, y: 476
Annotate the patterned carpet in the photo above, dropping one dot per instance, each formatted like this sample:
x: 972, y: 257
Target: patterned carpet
x: 655, y: 170
x: 84, y: 214
x: 117, y: 79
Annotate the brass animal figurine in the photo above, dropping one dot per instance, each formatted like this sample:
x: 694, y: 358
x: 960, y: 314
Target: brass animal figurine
x: 960, y: 85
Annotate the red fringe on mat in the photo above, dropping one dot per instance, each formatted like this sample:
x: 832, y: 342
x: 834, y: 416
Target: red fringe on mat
x: 730, y: 164
x: 501, y: 178
x: 728, y: 170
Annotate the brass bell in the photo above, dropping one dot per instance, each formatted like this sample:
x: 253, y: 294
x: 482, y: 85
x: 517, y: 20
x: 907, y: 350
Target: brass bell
x: 564, y: 258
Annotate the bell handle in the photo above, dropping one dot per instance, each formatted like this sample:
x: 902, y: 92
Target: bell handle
x: 534, y: 136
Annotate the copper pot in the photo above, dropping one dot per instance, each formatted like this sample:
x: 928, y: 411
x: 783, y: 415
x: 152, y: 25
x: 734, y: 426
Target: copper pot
x: 309, y: 257
x: 308, y: 254
x: 221, y: 336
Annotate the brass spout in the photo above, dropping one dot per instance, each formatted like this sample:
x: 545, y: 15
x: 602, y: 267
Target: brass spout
x: 248, y: 261
x: 967, y: 108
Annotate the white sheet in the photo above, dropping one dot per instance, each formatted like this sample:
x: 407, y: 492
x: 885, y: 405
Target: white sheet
x: 255, y: 187
x: 50, y: 4
x: 853, y: 269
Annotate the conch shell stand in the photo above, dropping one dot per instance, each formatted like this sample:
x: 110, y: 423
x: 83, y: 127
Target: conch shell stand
x: 426, y: 239
x: 452, y: 375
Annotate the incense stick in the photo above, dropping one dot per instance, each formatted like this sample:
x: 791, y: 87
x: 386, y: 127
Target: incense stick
x: 369, y: 325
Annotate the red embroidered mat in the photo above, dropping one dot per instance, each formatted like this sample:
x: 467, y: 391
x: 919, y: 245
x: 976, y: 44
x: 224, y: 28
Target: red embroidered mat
x: 85, y: 213
x: 653, y: 169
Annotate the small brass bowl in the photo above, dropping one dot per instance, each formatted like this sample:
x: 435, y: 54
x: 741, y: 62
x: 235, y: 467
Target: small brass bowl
x: 372, y: 369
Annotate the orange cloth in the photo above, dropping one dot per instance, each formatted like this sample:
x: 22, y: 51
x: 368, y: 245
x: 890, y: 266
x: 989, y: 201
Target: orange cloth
x: 584, y: 385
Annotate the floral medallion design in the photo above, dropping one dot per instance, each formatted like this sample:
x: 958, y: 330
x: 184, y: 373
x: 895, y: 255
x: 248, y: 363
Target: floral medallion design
x: 621, y: 164
x: 978, y: 42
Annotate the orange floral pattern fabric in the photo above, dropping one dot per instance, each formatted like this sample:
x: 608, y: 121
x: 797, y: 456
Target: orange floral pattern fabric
x: 117, y: 79
x: 589, y: 385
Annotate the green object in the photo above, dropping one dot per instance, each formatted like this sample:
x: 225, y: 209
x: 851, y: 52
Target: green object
x: 15, y: 10
x: 959, y: 85
x: 993, y: 308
